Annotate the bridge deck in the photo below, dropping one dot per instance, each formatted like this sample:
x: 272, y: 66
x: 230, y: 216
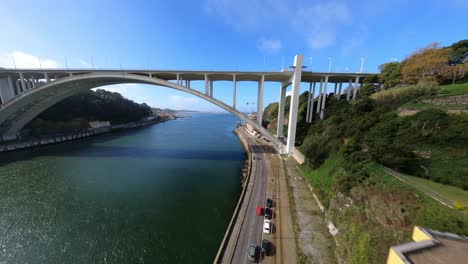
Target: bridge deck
x: 171, y: 75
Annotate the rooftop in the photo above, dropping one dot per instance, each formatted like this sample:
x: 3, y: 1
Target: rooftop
x: 431, y: 246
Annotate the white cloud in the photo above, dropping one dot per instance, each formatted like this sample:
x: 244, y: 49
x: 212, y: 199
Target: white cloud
x: 321, y: 22
x: 269, y: 45
x: 317, y: 22
x: 245, y: 14
x: 85, y: 64
x: 119, y: 88
x: 25, y: 60
x: 183, y: 103
x: 322, y: 40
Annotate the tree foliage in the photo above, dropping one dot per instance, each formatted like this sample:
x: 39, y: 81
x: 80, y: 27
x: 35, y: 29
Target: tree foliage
x: 426, y: 64
x: 459, y: 52
x: 390, y: 74
x: 99, y: 105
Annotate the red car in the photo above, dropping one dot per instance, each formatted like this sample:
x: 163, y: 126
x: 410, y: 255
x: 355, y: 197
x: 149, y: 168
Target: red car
x: 259, y: 210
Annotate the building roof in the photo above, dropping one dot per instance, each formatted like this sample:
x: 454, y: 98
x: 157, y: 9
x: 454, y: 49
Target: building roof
x: 431, y: 246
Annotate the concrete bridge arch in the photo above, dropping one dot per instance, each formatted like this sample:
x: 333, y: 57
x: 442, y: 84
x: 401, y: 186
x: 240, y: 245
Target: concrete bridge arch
x: 19, y: 111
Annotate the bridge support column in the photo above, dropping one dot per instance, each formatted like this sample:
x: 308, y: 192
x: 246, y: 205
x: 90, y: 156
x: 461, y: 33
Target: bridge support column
x: 282, y: 100
x: 23, y: 83
x: 234, y: 91
x: 206, y: 85
x: 211, y: 88
x: 324, y: 99
x: 178, y: 79
x: 348, y: 91
x: 46, y: 77
x: 335, y: 89
x: 260, y: 100
x: 310, y: 103
x: 296, y: 86
x: 6, y: 89
x: 339, y: 90
x: 319, y: 97
x: 356, y: 83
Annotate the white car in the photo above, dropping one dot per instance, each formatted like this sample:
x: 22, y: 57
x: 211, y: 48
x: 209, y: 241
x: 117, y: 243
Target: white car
x: 266, y: 226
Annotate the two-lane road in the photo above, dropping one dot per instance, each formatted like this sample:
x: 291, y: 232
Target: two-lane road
x: 252, y: 227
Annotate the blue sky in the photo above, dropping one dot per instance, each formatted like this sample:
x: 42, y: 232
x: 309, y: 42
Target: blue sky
x: 222, y: 35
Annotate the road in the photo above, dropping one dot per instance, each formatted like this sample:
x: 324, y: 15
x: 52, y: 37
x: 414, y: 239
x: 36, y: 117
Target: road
x: 248, y: 227
x: 267, y: 179
x: 252, y: 227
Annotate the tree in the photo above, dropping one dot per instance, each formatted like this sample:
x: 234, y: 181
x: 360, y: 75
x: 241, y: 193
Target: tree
x: 456, y: 71
x: 459, y: 52
x: 390, y: 74
x: 426, y: 64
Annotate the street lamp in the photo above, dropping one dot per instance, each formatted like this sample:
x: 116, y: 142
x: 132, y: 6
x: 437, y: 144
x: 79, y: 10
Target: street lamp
x: 330, y: 64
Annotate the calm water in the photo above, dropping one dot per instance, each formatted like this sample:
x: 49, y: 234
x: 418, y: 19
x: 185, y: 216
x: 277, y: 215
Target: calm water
x: 161, y: 194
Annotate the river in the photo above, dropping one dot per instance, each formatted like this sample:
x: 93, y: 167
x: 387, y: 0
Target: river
x: 160, y: 194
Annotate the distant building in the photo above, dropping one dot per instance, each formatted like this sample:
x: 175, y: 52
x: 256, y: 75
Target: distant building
x: 99, y: 124
x: 430, y: 246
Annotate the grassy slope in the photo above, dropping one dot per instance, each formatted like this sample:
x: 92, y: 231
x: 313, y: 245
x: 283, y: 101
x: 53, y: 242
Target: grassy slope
x: 449, y: 192
x: 456, y: 89
x: 322, y: 178
x: 446, y: 90
x: 385, y: 214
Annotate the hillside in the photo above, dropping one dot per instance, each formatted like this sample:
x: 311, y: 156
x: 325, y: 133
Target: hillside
x: 408, y: 121
x: 346, y: 152
x: 76, y: 111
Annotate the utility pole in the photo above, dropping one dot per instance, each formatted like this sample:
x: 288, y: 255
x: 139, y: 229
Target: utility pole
x: 252, y: 104
x: 14, y: 62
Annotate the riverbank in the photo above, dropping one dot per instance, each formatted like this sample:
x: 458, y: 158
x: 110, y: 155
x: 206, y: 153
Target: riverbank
x: 245, y: 180
x: 55, y: 139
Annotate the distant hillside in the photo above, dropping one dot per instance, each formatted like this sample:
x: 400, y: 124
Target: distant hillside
x: 76, y: 111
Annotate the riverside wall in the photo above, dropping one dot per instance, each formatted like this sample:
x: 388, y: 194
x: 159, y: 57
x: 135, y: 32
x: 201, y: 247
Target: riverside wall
x: 54, y: 139
x: 229, y: 231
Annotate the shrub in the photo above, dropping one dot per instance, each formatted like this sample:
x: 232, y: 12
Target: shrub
x: 398, y: 157
x: 459, y: 206
x: 401, y: 95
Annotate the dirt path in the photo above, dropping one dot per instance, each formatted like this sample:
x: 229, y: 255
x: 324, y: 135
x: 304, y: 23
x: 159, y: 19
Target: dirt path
x: 315, y: 244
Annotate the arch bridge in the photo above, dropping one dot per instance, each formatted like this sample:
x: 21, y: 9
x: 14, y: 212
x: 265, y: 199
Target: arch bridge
x: 25, y: 93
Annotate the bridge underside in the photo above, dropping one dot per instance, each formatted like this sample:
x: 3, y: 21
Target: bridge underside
x: 25, y: 93
x: 18, y: 112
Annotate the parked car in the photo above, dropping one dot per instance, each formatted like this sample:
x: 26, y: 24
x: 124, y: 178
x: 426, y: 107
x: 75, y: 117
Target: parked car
x: 267, y: 226
x: 253, y: 252
x: 269, y: 202
x: 268, y: 213
x: 266, y: 247
x: 259, y: 210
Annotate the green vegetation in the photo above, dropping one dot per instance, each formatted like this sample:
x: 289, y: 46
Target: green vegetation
x: 453, y: 194
x: 455, y: 89
x: 382, y: 212
x: 345, y: 153
x: 76, y: 111
x: 404, y: 94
